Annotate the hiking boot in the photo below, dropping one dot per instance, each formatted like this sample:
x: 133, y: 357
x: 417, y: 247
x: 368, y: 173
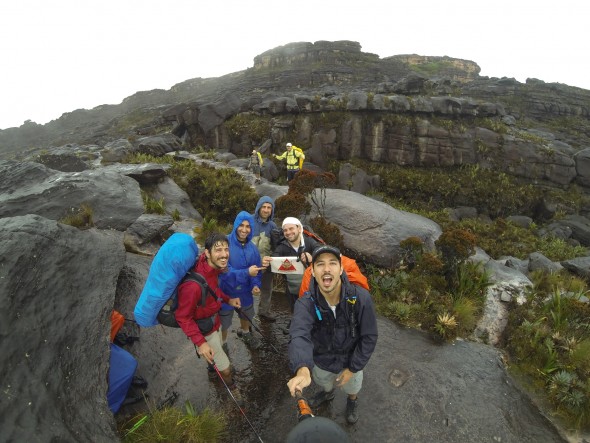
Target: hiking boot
x: 321, y: 397
x: 237, y: 395
x: 211, y: 374
x: 267, y: 317
x: 251, y: 341
x: 225, y: 348
x: 351, y: 414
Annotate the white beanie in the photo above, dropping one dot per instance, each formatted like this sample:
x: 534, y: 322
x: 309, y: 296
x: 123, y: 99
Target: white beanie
x: 291, y: 221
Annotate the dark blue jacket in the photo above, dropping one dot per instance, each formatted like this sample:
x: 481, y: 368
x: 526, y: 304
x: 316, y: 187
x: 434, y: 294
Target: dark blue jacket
x: 239, y: 283
x: 329, y: 343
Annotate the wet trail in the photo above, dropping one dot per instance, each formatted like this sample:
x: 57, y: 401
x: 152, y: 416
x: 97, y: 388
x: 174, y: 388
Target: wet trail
x: 414, y: 390
x: 262, y: 375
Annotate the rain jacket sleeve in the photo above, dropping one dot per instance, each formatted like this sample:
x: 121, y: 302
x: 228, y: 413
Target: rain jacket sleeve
x: 189, y: 294
x: 301, y: 345
x: 367, y: 321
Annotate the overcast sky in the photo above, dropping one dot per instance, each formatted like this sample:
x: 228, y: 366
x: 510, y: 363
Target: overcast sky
x: 62, y: 55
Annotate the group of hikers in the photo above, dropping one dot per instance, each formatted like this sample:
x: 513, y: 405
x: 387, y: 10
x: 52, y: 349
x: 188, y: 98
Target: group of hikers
x: 333, y: 329
x: 293, y: 155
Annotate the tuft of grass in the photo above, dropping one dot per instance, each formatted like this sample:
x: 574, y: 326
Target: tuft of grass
x: 209, y: 226
x: 466, y: 313
x: 176, y: 426
x: 151, y: 205
x: 80, y: 218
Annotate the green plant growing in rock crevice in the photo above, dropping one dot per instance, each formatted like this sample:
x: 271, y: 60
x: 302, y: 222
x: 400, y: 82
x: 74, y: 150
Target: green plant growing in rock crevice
x: 152, y: 205
x: 80, y: 218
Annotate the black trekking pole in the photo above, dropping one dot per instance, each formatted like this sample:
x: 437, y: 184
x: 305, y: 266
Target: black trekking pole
x: 243, y: 314
x: 303, y: 409
x: 231, y: 395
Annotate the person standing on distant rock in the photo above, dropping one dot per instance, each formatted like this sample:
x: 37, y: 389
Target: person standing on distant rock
x: 255, y: 164
x: 295, y: 157
x: 201, y: 323
x: 261, y: 231
x: 333, y: 333
x: 244, y: 280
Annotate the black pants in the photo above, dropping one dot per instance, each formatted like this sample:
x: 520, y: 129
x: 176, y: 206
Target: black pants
x: 291, y: 174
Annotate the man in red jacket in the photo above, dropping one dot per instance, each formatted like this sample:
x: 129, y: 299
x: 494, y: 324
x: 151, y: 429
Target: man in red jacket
x: 201, y: 323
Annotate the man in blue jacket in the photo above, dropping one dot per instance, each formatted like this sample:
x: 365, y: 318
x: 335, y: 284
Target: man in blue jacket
x: 333, y: 333
x: 261, y: 230
x: 245, y: 281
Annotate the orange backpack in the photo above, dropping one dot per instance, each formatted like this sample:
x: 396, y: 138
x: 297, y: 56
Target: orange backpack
x: 117, y: 321
x: 355, y: 276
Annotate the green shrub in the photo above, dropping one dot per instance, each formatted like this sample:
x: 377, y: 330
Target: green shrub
x: 291, y: 205
x: 549, y: 342
x: 329, y: 232
x: 216, y: 193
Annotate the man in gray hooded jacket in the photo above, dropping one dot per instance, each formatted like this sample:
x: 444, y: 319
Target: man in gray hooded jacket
x: 261, y: 229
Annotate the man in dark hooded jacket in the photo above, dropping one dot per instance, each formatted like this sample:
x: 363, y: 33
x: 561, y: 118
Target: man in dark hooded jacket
x: 333, y: 333
x: 261, y: 231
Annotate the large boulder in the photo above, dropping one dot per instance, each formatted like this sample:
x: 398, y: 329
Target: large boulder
x: 175, y: 199
x: 158, y: 145
x: 30, y: 188
x: 374, y: 229
x: 57, y: 289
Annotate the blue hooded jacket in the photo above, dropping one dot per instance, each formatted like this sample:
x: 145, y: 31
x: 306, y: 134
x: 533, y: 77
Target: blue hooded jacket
x: 241, y: 257
x: 260, y: 225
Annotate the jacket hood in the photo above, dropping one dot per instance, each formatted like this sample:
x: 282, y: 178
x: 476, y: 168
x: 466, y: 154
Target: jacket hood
x: 261, y: 201
x: 243, y: 215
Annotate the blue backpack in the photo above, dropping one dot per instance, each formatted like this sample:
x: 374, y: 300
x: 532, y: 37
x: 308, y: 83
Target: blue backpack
x: 174, y: 259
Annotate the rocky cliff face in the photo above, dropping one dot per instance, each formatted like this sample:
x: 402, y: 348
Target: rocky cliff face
x: 342, y: 103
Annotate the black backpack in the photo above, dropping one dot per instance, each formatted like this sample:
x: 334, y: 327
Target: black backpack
x: 166, y: 314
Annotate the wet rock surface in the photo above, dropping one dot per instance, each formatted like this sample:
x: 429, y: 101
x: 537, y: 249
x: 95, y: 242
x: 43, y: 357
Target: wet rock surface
x: 415, y: 390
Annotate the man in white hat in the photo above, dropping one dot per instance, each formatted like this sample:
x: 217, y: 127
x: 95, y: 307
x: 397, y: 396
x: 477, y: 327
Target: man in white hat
x: 294, y: 243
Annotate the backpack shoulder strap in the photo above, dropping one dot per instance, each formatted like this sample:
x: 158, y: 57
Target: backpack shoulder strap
x: 351, y: 303
x: 205, y: 288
